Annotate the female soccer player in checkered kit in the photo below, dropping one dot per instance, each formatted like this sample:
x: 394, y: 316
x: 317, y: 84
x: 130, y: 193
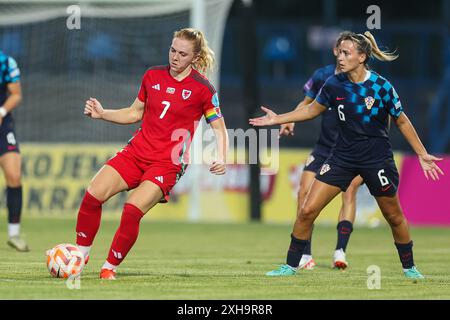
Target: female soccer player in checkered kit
x: 320, y: 153
x: 364, y: 100
x: 171, y: 101
x: 10, y: 160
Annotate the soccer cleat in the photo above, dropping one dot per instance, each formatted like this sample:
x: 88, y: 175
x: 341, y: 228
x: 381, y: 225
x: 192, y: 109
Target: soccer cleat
x: 108, y: 274
x: 283, y: 270
x: 413, y: 273
x: 18, y: 243
x: 307, y: 263
x: 339, y: 260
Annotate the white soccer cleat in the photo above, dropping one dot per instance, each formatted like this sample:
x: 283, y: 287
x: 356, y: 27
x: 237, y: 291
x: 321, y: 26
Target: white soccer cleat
x: 18, y: 243
x: 307, y: 262
x: 339, y: 260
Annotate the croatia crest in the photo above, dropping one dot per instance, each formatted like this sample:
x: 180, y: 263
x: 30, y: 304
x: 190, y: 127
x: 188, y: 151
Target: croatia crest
x: 369, y: 102
x: 186, y: 94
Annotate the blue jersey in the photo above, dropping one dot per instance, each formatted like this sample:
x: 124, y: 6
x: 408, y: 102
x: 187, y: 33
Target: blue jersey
x: 329, y: 131
x: 363, y: 114
x: 9, y: 73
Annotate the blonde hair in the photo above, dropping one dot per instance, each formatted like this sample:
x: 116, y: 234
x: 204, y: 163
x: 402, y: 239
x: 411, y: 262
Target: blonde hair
x: 205, y: 56
x: 366, y: 43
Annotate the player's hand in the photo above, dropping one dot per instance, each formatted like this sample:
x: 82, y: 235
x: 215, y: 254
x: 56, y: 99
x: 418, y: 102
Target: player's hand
x: 218, y: 168
x: 429, y: 167
x: 287, y: 129
x: 93, y: 108
x: 267, y: 120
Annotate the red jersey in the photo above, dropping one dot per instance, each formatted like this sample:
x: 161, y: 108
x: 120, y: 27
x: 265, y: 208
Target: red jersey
x: 172, y: 111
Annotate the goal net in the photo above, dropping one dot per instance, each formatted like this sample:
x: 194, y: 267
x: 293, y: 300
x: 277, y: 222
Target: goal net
x: 69, y: 51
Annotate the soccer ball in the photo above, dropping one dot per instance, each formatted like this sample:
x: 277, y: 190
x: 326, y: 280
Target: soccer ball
x: 65, y: 260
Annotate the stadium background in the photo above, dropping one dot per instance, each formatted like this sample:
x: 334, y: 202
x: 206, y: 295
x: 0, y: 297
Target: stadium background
x: 108, y: 55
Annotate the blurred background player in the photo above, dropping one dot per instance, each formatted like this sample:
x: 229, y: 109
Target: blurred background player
x: 320, y: 153
x: 171, y: 101
x: 10, y: 160
x: 364, y: 100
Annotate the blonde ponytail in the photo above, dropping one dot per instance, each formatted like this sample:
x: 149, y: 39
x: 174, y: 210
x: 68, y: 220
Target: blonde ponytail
x: 205, y: 56
x: 376, y: 51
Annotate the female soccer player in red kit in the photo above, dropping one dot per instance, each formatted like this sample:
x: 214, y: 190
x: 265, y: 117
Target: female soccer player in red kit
x: 171, y: 101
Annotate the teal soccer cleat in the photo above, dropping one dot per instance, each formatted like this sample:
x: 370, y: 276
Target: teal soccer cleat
x: 283, y: 270
x: 413, y: 273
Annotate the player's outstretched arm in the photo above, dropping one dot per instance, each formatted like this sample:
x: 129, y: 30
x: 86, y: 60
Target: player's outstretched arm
x: 427, y: 161
x: 303, y: 113
x: 287, y: 129
x: 132, y: 114
x: 218, y: 166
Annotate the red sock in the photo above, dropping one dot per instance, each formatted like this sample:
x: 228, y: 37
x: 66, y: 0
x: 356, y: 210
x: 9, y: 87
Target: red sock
x: 88, y: 221
x: 126, y: 235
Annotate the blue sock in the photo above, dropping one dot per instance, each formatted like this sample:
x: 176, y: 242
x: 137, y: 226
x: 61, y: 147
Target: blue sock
x: 307, y: 249
x: 295, y: 251
x: 14, y: 204
x: 406, y: 254
x: 344, y: 229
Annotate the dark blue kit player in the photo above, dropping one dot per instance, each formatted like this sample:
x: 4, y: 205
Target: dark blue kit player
x: 10, y: 160
x: 320, y: 152
x: 364, y: 101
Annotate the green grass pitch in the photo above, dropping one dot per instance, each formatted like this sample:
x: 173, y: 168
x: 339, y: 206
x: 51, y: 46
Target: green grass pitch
x: 224, y: 261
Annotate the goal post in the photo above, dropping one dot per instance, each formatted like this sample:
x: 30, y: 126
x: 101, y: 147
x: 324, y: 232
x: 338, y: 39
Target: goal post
x: 104, y: 56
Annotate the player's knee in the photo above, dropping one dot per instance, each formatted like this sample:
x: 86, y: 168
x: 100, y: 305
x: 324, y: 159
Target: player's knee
x: 307, y: 212
x: 394, y: 219
x: 98, y: 192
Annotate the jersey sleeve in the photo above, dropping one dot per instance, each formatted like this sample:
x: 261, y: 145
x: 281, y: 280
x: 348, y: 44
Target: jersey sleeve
x: 211, y: 106
x: 324, y: 95
x: 142, y: 95
x: 13, y: 72
x: 393, y: 103
x: 313, y: 85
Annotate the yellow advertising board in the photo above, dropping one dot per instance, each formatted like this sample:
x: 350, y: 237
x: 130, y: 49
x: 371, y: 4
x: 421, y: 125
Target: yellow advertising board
x: 55, y: 177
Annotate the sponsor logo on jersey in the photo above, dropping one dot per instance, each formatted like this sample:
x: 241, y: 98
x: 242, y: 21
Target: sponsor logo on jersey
x: 170, y: 90
x: 160, y: 179
x: 369, y: 102
x: 186, y: 94
x: 325, y: 168
x: 340, y: 98
x: 398, y: 105
x: 310, y: 160
x: 156, y: 87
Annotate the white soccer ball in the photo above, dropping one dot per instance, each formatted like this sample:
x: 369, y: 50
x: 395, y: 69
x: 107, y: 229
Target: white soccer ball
x: 64, y: 261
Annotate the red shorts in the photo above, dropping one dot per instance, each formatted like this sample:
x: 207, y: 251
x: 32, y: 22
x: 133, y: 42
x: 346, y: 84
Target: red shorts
x: 133, y: 171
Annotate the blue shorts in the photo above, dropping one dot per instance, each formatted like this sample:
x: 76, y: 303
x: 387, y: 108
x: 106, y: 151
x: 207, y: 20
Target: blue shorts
x: 8, y: 141
x: 382, y: 180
